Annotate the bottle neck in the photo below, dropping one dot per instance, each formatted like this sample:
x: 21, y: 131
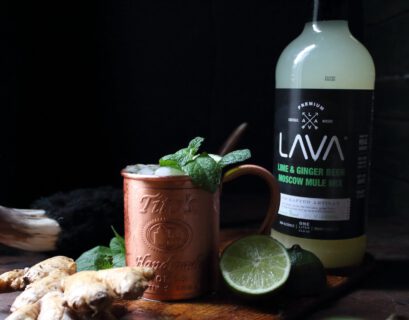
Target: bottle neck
x: 327, y: 27
x: 324, y: 10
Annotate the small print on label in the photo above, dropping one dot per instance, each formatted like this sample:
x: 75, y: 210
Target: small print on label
x: 315, y: 208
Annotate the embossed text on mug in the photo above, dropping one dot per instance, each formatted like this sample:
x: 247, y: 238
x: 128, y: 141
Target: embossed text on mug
x: 157, y: 203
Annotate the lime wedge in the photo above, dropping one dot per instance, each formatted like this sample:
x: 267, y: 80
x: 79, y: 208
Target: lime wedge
x: 255, y: 265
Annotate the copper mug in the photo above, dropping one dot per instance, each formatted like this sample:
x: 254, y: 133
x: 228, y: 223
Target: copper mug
x: 172, y: 226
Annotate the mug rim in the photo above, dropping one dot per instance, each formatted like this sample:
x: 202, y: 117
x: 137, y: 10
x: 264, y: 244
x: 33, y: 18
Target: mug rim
x: 137, y: 176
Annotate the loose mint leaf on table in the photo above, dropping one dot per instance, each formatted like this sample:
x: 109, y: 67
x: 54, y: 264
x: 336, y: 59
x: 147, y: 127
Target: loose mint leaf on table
x: 101, y: 257
x: 117, y: 246
x: 204, y: 172
x: 235, y: 157
x: 121, y: 240
x: 97, y: 258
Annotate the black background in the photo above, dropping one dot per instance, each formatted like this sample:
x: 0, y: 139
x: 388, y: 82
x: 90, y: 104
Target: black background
x: 90, y: 86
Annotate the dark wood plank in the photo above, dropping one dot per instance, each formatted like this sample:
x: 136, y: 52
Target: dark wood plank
x: 378, y: 11
x: 388, y: 195
x: 225, y: 305
x: 390, y: 149
x: 385, y: 43
x: 385, y: 292
x: 390, y: 154
x: 391, y: 100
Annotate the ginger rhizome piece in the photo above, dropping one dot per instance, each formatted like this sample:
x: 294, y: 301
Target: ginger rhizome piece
x: 12, y: 280
x: 44, y: 268
x: 127, y: 283
x: 36, y: 290
x: 28, y: 312
x: 18, y: 279
x: 53, y: 290
x: 52, y: 307
x: 89, y: 292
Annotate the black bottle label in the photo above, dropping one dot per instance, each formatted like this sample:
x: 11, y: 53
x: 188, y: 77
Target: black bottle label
x: 321, y: 160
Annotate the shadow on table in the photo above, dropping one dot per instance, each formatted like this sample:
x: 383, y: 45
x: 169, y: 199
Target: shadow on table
x: 388, y: 275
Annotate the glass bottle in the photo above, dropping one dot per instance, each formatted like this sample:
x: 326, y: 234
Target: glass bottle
x: 324, y: 98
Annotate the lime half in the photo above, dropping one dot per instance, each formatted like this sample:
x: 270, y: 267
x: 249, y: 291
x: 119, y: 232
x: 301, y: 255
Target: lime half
x: 307, y: 276
x: 255, y: 265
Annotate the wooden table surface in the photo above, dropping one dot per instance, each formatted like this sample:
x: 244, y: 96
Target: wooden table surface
x: 382, y: 294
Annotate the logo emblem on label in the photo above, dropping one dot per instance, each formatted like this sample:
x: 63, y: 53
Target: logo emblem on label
x: 310, y: 116
x: 167, y: 235
x: 309, y: 120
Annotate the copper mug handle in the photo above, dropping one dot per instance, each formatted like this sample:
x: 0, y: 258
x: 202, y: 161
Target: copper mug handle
x: 271, y: 181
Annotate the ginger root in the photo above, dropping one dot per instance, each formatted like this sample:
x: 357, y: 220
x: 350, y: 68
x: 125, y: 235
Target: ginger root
x: 88, y: 292
x: 44, y: 268
x: 36, y: 290
x: 12, y: 280
x: 28, y: 312
x: 54, y: 291
x: 52, y: 307
x: 18, y: 279
x: 85, y: 293
x: 127, y: 283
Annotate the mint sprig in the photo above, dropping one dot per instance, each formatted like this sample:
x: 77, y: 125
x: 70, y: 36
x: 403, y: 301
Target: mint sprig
x: 203, y: 169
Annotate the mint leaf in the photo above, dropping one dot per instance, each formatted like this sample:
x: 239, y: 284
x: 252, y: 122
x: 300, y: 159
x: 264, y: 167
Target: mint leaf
x: 118, y: 253
x: 204, y: 172
x: 176, y: 159
x: 117, y: 246
x: 95, y: 259
x: 169, y: 161
x: 195, y: 144
x: 234, y: 157
x: 101, y: 257
x: 183, y: 156
x: 120, y: 239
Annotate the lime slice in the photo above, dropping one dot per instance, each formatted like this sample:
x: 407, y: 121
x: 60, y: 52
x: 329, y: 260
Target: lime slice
x: 255, y: 265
